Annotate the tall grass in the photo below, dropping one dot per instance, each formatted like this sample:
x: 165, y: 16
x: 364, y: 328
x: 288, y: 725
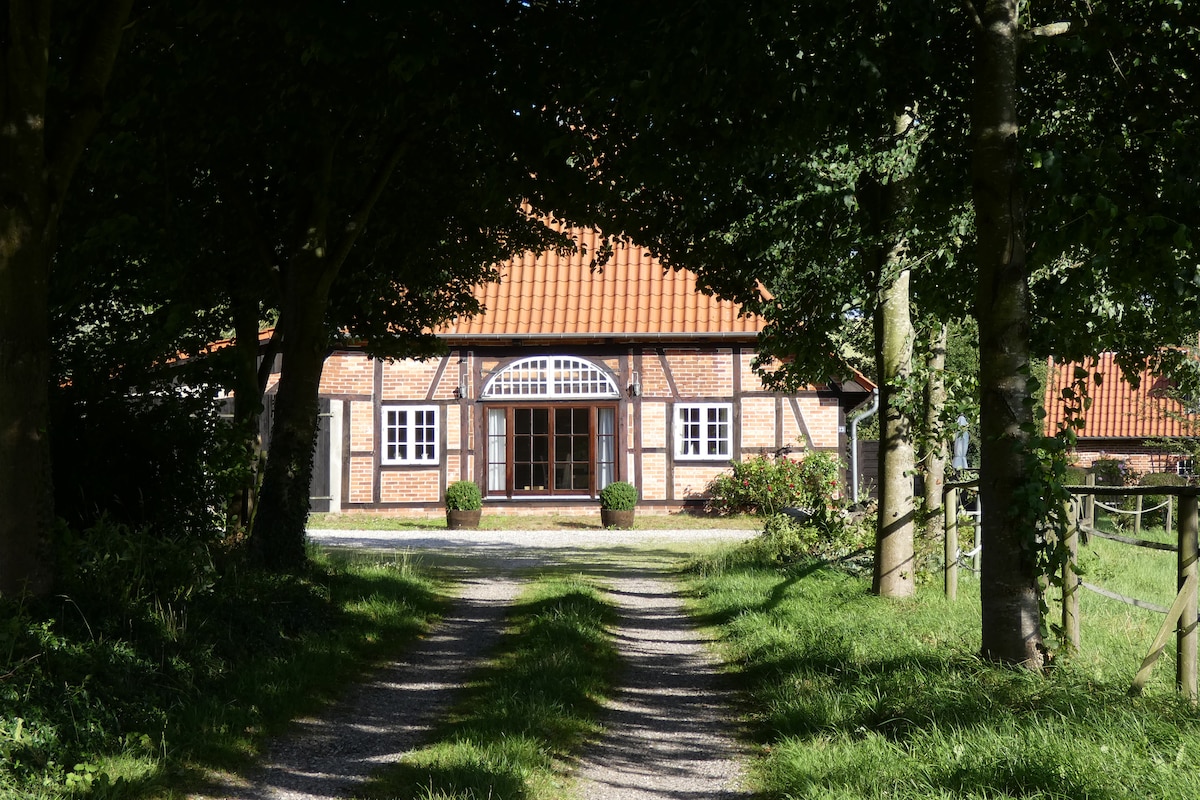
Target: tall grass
x: 152, y: 667
x: 527, y: 712
x: 851, y: 696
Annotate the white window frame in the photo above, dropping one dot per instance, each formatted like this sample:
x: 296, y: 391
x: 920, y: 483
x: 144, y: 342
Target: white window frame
x: 550, y: 378
x: 705, y: 438
x: 423, y: 436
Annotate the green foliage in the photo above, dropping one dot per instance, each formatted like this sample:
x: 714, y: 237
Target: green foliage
x: 619, y: 496
x: 763, y: 485
x: 1075, y: 475
x: 829, y: 535
x: 529, y: 711
x: 464, y: 496
x: 156, y: 458
x: 1112, y: 472
x: 157, y: 650
x: 1153, y: 501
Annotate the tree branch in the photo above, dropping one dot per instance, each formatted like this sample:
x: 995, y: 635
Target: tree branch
x: 976, y: 20
x: 89, y: 82
x: 1053, y: 29
x: 24, y: 41
x: 358, y: 221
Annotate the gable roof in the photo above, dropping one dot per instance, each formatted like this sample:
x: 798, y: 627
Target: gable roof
x: 551, y: 296
x: 1118, y: 411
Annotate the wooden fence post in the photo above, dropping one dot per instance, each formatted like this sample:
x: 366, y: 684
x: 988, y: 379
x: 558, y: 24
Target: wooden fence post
x: 1189, y: 523
x: 1168, y: 521
x: 950, y: 509
x: 1070, y: 582
x: 1089, y: 502
x: 1137, y: 515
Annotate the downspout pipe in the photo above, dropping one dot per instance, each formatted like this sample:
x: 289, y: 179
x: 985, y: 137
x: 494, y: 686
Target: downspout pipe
x: 857, y: 418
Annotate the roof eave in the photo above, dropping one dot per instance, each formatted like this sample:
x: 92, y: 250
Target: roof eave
x: 747, y: 336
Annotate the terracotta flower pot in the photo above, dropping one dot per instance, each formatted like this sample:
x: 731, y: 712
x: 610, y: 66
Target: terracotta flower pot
x: 457, y: 519
x: 616, y: 518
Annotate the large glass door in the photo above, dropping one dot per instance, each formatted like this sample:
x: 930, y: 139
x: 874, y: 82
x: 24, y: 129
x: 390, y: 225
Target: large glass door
x: 572, y: 450
x: 550, y: 450
x: 531, y: 449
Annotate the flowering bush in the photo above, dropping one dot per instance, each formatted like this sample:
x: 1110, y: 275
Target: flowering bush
x: 763, y: 486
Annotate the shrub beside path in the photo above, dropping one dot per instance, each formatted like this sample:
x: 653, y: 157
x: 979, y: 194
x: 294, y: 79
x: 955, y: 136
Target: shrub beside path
x: 670, y: 731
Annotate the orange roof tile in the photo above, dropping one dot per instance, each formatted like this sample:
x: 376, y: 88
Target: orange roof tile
x: 553, y: 296
x: 1118, y: 411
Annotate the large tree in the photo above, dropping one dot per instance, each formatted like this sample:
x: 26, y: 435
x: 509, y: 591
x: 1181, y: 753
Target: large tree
x: 341, y: 175
x: 828, y: 179
x: 761, y: 184
x: 55, y: 65
x: 1109, y: 251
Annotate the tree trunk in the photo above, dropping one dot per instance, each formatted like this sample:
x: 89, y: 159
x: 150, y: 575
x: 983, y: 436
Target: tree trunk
x: 936, y: 457
x: 894, y: 556
x: 26, y: 487
x: 27, y: 217
x: 247, y: 412
x: 277, y: 541
x: 34, y: 176
x: 894, y: 552
x: 1011, y: 615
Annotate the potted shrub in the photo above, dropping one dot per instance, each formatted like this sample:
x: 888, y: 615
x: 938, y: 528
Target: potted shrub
x: 464, y: 505
x: 617, y: 502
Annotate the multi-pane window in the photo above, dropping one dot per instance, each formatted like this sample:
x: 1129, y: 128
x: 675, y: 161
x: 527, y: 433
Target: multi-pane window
x: 410, y: 435
x: 567, y: 449
x: 551, y: 376
x: 704, y: 430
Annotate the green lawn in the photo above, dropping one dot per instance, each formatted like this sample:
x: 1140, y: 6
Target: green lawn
x: 851, y: 696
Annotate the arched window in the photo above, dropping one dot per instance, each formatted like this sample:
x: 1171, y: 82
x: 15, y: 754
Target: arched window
x: 549, y: 378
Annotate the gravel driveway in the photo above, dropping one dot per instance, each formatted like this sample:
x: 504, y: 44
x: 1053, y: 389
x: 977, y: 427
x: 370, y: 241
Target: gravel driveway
x: 670, y: 730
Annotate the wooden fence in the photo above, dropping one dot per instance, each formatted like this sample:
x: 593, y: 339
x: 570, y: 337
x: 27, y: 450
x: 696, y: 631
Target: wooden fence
x: 1180, y: 617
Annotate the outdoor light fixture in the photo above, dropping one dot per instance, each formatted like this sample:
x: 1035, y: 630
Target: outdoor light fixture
x: 635, y: 386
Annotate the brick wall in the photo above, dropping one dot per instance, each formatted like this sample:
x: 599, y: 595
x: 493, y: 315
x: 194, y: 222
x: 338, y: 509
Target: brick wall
x: 362, y: 426
x: 758, y: 425
x: 412, y: 380
x: 362, y: 477
x: 1137, y: 456
x: 654, y: 426
x: 654, y: 476
x: 701, y: 372
x: 691, y: 481
x: 410, y: 485
x: 348, y: 373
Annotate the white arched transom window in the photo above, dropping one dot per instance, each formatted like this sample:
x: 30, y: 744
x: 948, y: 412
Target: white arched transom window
x: 550, y: 377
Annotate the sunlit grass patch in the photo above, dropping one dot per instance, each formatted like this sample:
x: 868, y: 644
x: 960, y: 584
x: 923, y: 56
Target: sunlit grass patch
x: 529, y: 711
x: 852, y: 696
